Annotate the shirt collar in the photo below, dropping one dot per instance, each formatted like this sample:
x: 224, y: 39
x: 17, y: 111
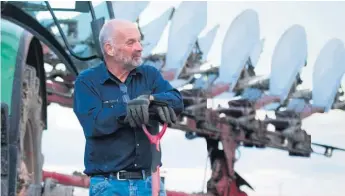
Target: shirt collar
x: 105, y: 75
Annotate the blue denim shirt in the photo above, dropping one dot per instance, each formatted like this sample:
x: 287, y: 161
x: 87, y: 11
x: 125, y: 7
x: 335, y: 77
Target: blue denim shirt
x: 99, y: 101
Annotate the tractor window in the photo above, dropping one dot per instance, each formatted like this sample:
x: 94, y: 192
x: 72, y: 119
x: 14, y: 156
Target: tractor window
x: 73, y: 19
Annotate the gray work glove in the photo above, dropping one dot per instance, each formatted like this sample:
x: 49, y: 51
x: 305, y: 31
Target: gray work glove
x: 138, y: 111
x: 165, y: 113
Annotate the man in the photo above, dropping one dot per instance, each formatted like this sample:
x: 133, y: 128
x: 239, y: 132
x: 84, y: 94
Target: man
x: 111, y: 102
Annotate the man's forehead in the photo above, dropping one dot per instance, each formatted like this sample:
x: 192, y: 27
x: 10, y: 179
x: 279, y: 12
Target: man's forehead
x: 128, y: 33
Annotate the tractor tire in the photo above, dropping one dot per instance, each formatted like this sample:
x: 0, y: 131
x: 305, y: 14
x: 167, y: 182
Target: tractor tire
x: 30, y: 162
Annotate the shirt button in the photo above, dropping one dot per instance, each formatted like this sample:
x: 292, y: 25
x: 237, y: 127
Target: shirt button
x: 137, y: 144
x: 135, y: 164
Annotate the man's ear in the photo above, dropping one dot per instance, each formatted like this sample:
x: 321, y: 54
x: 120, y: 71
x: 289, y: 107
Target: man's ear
x: 109, y: 50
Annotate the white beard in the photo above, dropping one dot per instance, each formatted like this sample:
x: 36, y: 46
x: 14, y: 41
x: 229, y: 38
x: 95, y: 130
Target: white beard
x: 128, y: 63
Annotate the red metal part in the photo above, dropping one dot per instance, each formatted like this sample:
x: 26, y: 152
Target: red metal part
x: 169, y: 74
x: 266, y: 100
x: 156, y: 182
x: 59, y: 93
x: 155, y: 140
x: 64, y: 101
x: 218, y: 89
x: 309, y: 110
x: 57, y: 87
x: 223, y: 180
x: 70, y: 180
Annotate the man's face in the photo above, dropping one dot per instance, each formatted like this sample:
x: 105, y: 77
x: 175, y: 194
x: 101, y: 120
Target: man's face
x: 127, y: 48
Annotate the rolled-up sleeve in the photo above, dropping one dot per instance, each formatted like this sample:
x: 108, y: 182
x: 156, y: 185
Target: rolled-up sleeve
x: 96, y: 121
x: 162, y: 90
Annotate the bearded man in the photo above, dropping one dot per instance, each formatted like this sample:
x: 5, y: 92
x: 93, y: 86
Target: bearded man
x: 117, y: 154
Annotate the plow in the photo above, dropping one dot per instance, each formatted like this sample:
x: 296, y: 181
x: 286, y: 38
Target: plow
x: 221, y: 101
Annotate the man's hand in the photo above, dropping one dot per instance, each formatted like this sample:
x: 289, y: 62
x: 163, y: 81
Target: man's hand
x: 165, y: 113
x: 138, y: 111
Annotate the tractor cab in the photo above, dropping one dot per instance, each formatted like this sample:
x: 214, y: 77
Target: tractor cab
x: 74, y: 25
x: 70, y: 43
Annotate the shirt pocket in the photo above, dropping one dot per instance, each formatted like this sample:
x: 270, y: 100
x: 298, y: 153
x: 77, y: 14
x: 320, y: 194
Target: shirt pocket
x: 115, y: 106
x: 112, y: 103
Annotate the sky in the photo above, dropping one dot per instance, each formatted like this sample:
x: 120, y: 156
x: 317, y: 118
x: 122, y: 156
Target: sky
x: 270, y: 172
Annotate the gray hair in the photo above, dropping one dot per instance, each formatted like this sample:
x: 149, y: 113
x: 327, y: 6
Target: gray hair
x: 105, y: 36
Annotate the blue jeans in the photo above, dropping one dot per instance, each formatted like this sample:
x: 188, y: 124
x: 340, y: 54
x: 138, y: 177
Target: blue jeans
x: 101, y: 186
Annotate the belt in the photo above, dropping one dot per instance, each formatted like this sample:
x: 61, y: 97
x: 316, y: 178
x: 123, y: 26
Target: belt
x: 126, y: 175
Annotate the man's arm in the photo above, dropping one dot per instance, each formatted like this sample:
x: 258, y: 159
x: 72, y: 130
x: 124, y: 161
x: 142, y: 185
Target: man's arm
x: 96, y: 120
x: 162, y: 90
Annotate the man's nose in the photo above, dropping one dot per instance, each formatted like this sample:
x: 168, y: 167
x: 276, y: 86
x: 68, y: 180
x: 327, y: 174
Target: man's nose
x: 138, y: 47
